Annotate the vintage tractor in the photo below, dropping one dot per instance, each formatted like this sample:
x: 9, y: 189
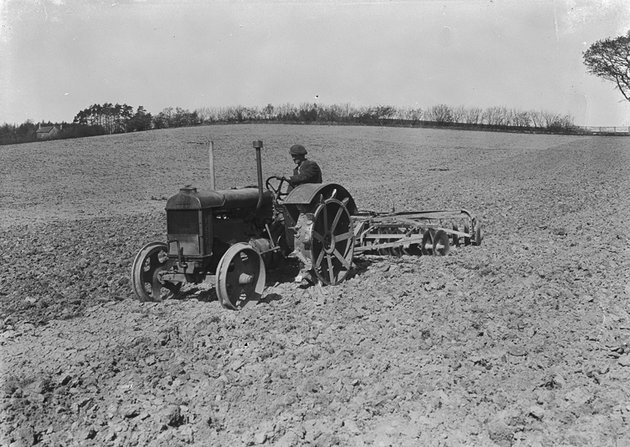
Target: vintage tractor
x: 225, y: 237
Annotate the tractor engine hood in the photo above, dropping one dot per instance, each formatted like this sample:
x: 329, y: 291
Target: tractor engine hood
x: 188, y: 198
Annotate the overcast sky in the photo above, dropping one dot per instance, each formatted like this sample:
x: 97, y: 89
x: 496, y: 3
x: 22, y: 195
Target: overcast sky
x: 60, y: 56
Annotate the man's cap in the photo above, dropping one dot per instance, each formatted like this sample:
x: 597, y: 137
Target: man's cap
x: 297, y: 149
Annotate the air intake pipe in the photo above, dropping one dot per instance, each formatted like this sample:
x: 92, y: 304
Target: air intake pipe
x: 258, y: 146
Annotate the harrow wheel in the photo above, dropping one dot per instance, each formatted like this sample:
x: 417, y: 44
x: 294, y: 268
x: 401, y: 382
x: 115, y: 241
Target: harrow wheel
x: 240, y: 276
x: 332, y: 242
x: 150, y: 261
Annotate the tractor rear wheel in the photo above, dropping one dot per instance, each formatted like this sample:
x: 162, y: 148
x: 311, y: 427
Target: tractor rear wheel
x: 150, y: 261
x: 332, y: 241
x: 241, y: 276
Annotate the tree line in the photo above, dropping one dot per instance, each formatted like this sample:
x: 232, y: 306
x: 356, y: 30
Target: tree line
x: 101, y: 119
x: 107, y: 118
x: 118, y: 119
x: 98, y: 119
x: 439, y: 115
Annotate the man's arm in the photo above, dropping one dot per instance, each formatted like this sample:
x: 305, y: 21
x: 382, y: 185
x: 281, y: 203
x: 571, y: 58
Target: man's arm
x: 309, y: 172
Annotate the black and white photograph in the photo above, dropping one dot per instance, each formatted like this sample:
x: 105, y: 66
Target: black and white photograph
x: 314, y: 223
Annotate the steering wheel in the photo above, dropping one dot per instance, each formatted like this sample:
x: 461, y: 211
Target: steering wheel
x: 276, y: 185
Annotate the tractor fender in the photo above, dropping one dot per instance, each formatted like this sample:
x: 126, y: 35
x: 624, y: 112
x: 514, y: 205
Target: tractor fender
x: 310, y: 193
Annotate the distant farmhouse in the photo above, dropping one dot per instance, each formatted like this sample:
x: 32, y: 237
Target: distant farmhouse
x: 45, y: 132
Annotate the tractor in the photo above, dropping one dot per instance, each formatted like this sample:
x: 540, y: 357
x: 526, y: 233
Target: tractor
x: 227, y: 237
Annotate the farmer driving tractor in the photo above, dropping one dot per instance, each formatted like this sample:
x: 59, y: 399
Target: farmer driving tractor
x: 305, y: 171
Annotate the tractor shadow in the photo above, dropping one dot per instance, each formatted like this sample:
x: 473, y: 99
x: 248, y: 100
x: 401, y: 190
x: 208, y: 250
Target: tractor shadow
x: 209, y: 296
x: 201, y: 292
x: 361, y: 265
x: 282, y: 272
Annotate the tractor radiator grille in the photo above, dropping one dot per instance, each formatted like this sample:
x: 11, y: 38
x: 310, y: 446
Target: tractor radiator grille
x: 182, y: 221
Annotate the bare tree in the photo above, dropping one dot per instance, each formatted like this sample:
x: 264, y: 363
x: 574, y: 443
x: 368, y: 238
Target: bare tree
x: 494, y: 116
x: 473, y: 115
x: 521, y: 118
x: 440, y: 114
x: 459, y: 114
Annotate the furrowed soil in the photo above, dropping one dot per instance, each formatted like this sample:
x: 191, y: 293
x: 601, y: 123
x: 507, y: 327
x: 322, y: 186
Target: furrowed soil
x: 523, y: 341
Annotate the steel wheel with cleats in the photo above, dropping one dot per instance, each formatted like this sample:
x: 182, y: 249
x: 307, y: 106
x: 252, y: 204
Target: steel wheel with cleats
x: 332, y: 241
x: 241, y: 276
x: 147, y: 266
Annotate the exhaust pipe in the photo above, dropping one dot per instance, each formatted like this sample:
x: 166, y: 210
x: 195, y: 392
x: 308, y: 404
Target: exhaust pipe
x: 213, y: 185
x: 258, y: 146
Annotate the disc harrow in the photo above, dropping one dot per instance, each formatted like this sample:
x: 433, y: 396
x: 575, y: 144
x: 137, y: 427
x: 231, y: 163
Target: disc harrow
x: 414, y: 233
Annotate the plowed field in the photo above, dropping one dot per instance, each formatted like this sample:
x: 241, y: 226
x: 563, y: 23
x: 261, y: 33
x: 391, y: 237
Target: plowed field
x: 524, y: 341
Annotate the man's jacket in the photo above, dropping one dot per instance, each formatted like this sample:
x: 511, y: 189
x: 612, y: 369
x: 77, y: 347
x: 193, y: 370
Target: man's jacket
x: 306, y: 172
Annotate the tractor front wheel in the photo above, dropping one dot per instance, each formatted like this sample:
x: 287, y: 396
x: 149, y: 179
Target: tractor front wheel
x: 146, y: 271
x: 241, y: 276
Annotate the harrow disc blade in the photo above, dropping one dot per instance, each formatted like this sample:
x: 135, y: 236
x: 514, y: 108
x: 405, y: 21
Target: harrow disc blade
x: 455, y: 237
x: 427, y: 242
x: 478, y: 235
x: 441, y: 243
x: 467, y: 239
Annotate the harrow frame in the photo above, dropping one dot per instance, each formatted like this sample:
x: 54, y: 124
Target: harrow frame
x: 414, y: 232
